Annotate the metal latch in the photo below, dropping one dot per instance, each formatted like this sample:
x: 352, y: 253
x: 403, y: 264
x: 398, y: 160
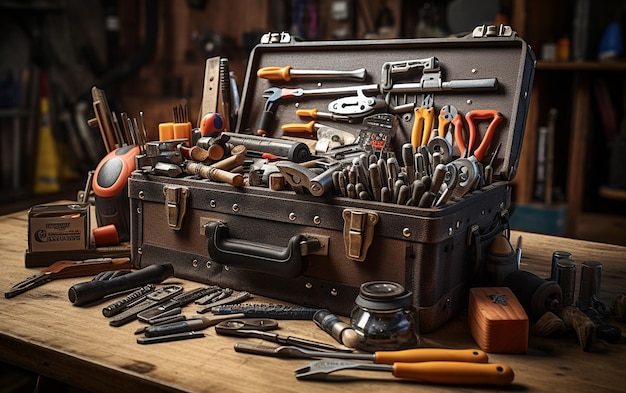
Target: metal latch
x: 276, y: 38
x: 492, y: 31
x: 175, y: 205
x: 358, y: 232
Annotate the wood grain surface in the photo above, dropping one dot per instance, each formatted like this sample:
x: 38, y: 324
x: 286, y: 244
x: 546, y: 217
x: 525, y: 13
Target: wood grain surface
x: 42, y: 331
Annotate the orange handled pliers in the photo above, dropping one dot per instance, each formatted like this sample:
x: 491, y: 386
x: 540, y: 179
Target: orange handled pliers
x: 423, y: 124
x: 484, y: 114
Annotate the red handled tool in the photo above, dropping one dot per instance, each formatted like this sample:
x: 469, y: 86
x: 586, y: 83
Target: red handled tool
x: 110, y: 185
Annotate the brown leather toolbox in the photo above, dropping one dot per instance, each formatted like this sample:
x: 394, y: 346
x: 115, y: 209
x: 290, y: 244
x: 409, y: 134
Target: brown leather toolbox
x: 315, y: 242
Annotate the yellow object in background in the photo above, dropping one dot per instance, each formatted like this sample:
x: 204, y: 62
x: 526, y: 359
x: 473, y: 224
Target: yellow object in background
x: 47, y: 163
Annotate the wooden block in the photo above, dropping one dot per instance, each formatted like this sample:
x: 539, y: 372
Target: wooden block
x: 497, y: 321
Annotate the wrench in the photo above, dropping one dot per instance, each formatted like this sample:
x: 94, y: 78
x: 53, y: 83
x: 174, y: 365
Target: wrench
x: 275, y: 94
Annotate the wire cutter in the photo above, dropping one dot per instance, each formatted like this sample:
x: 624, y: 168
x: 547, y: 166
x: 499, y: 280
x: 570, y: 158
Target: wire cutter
x: 66, y: 269
x: 423, y: 124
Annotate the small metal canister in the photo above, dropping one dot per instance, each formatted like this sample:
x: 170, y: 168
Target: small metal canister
x: 566, y: 278
x: 556, y: 256
x: 589, y: 290
x: 384, y: 317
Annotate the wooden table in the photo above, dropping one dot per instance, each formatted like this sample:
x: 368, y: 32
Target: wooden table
x: 41, y: 331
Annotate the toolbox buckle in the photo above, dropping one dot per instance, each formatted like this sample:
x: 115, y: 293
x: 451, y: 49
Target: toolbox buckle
x: 276, y: 38
x: 358, y: 232
x: 175, y: 205
x: 492, y: 31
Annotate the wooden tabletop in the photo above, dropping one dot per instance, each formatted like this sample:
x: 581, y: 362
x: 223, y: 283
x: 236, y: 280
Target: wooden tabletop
x: 42, y: 331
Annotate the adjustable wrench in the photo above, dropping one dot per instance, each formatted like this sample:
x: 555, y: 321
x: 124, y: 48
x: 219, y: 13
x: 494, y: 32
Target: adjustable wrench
x: 301, y: 178
x: 275, y: 94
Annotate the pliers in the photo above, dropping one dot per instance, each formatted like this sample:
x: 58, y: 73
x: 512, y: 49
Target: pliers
x: 423, y: 124
x: 485, y: 114
x: 439, y: 144
x: 67, y: 269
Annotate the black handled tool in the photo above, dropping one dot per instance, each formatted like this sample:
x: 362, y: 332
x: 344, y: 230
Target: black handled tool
x: 66, y: 269
x: 87, y: 292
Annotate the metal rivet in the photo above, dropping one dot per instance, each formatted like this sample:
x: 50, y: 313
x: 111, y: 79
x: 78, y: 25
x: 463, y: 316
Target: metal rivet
x: 226, y: 268
x: 501, y: 205
x: 317, y: 220
x: 212, y: 203
x: 138, y: 210
x: 450, y: 231
x: 406, y: 232
x: 474, y: 70
x: 208, y: 264
x: 308, y: 285
x: 141, y: 195
x: 235, y: 207
x: 333, y: 292
x: 297, y: 105
x: 458, y: 224
x: 482, y: 212
x: 292, y: 216
x: 194, y: 263
x: 469, y: 102
x: 139, y: 251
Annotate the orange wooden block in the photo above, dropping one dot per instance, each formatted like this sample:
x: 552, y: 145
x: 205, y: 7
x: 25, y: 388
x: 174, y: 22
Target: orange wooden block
x: 497, y: 320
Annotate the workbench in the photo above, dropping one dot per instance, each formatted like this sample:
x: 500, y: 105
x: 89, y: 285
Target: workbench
x: 42, y: 331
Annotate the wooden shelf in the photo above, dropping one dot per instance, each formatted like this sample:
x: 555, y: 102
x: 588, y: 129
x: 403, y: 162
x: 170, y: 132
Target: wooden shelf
x: 613, y: 65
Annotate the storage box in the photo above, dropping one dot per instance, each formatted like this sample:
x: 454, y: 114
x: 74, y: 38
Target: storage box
x: 316, y: 246
x: 497, y: 320
x: 59, y: 227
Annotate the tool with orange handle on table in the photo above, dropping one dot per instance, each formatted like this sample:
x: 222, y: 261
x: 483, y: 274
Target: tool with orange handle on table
x: 437, y: 372
x: 382, y: 357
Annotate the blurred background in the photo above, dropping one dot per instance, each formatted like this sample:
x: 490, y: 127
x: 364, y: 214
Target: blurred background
x: 149, y: 55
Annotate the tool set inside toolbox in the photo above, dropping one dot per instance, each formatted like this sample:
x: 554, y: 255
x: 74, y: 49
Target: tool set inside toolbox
x: 346, y: 162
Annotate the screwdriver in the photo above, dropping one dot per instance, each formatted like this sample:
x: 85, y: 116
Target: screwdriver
x: 441, y: 372
x: 381, y: 357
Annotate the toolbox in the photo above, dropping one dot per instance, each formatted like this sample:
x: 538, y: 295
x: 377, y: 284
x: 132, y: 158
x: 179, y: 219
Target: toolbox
x: 313, y: 241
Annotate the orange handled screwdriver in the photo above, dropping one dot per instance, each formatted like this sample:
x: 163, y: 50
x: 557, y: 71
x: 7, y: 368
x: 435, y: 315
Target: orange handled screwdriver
x: 384, y: 357
x: 287, y: 73
x: 309, y: 127
x: 441, y: 372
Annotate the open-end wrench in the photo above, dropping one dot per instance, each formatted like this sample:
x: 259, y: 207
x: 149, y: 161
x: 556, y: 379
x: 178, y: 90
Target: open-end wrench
x: 275, y: 94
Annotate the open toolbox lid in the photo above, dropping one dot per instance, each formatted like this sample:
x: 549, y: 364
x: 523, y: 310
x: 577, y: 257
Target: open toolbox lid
x: 399, y: 73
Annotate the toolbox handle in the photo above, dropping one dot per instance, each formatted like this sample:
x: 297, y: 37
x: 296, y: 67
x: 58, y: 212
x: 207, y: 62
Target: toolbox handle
x: 261, y: 257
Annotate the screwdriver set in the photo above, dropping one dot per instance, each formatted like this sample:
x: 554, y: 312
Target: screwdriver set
x: 345, y: 162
